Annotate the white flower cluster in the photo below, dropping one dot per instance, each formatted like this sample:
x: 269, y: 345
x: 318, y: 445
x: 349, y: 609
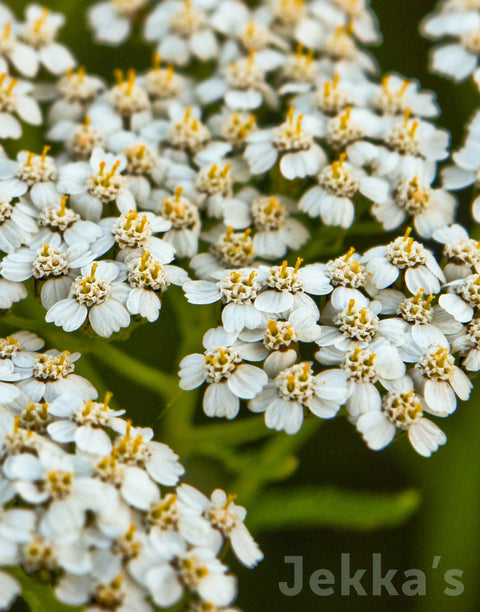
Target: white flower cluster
x: 457, y: 21
x: 81, y: 500
x: 151, y: 155
x: 26, y: 47
x: 389, y: 330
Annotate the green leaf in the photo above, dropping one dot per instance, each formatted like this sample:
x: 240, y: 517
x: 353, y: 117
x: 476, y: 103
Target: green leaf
x: 38, y: 595
x: 308, y: 507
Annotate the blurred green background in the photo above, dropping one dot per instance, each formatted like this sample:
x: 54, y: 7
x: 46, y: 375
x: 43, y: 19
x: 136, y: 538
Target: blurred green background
x: 447, y: 523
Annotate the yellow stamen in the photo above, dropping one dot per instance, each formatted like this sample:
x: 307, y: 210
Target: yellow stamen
x: 291, y: 112
x: 118, y: 74
x: 45, y: 150
x: 345, y: 118
x: 11, y: 87
x: 298, y: 127
x: 7, y: 30
x: 178, y: 193
x: 272, y: 327
x: 213, y: 171
x: 93, y: 271
x: 226, y: 170
x: 413, y: 129
x: 130, y: 81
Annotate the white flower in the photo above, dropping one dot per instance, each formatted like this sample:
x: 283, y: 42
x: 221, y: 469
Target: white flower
x: 133, y: 231
x: 356, y: 323
x: 437, y: 377
x: 17, y: 223
x: 349, y: 125
x: 15, y: 99
x: 149, y: 279
x: 332, y: 198
x: 52, y: 374
x: 20, y: 55
x: 51, y: 263
x: 82, y: 422
x: 224, y: 515
x: 80, y: 139
x: 467, y: 343
x: 229, y: 250
x: 289, y: 287
x: 222, y: 367
x: 281, y: 336
x: 462, y: 252
x: 242, y: 85
x: 166, y: 88
x: 430, y: 208
x: 35, y: 174
x: 456, y: 60
x: 40, y: 31
x: 463, y: 298
x: 347, y: 275
x: 184, y: 217
x: 416, y: 137
x: 394, y: 95
x: 465, y: 170
x: 73, y: 93
x: 101, y: 589
x: 356, y: 15
x: 9, y: 590
x: 379, y: 362
x: 182, y: 29
x: 128, y: 99
x: 97, y: 183
x: 99, y: 294
x: 51, y: 477
x: 144, y: 165
x: 10, y: 293
x: 293, y: 140
x: 137, y: 449
x: 185, y: 133
x: 276, y: 230
x: 284, y: 398
x: 418, y: 264
x: 111, y: 21
x: 427, y: 323
x: 56, y: 219
x: 198, y: 570
x: 401, y: 410
x: 237, y: 290
x: 293, y: 20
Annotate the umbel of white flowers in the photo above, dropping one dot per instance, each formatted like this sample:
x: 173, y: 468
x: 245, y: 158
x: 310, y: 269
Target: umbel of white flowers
x: 95, y: 502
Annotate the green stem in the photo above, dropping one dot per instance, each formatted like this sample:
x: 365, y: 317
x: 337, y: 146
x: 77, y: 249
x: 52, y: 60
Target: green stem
x: 159, y: 382
x: 232, y: 433
x: 38, y: 595
x: 193, y: 321
x: 276, y: 461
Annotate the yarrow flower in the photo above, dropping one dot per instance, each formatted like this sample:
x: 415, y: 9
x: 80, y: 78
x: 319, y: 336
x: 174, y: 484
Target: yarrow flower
x: 222, y: 367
